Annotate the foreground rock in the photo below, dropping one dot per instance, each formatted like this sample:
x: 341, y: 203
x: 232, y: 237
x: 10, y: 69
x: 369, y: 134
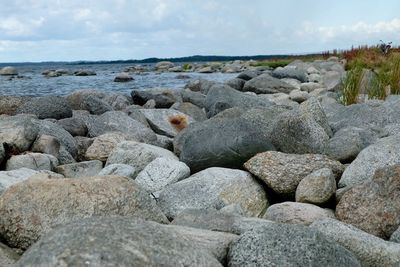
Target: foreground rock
x: 31, y: 208
x: 288, y: 245
x: 138, y: 155
x: 374, y: 206
x: 128, y: 242
x: 296, y: 213
x: 53, y: 107
x: 283, y: 172
x: 227, y: 140
x: 370, y: 250
x: 384, y: 152
x: 214, y: 188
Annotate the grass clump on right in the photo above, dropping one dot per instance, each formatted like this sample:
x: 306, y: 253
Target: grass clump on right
x: 385, y: 78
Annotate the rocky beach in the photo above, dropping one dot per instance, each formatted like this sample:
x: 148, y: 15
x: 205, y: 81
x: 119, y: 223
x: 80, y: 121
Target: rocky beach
x: 260, y: 167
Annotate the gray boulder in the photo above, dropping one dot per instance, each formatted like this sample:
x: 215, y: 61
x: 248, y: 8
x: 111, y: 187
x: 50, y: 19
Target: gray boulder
x: 46, y: 144
x: 9, y: 104
x: 123, y: 77
x: 64, y: 138
x: 167, y: 122
x: 164, y: 98
x: 236, y: 83
x: 374, y: 205
x: 31, y: 208
x: 214, y: 188
x: 128, y: 242
x: 80, y: 169
x: 75, y: 126
x: 102, y: 145
x: 227, y: 141
x: 288, y: 245
x: 384, y: 152
x: 138, y: 155
x: 348, y: 142
x: 296, y: 213
x: 54, y: 107
x: 97, y: 101
x: 196, y: 98
x: 8, y: 178
x: 221, y: 97
x: 17, y: 133
x: 162, y: 172
x: 118, y: 121
x: 370, y: 250
x: 249, y: 74
x: 283, y: 172
x: 200, y: 85
x: 395, y: 237
x: 290, y: 72
x: 317, y: 188
x: 33, y: 161
x: 119, y: 170
x: 266, y: 84
x: 191, y: 110
x: 312, y: 107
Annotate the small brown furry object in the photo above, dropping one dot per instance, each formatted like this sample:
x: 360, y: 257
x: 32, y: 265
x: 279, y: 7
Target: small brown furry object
x: 179, y: 122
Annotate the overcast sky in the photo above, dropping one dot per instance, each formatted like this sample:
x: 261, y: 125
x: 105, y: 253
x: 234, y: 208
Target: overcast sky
x: 53, y: 30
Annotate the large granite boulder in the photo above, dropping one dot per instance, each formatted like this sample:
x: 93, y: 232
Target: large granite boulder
x: 266, y: 84
x: 290, y: 72
x: 127, y: 242
x: 227, y: 140
x: 6, y: 71
x: 374, y: 206
x: 283, y: 172
x: 288, y: 245
x: 221, y: 97
x: 370, y: 250
x: 97, y: 102
x: 200, y: 85
x: 102, y: 145
x: 34, y: 161
x: 382, y: 153
x: 214, y: 188
x: 137, y: 155
x: 8, y: 178
x: 54, y: 107
x: 9, y: 104
x: 191, y: 110
x: 31, y: 208
x: 118, y: 121
x: 196, y: 98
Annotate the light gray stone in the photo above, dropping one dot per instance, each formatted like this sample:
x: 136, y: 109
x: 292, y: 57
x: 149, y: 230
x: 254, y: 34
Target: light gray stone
x: 296, y: 213
x: 283, y: 172
x: 119, y: 170
x: 138, y: 155
x: 80, y: 169
x: 162, y: 172
x: 214, y: 188
x: 370, y: 250
x: 34, y: 161
x: 266, y: 84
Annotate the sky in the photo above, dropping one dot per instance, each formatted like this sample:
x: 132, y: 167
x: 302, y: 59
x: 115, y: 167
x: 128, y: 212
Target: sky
x: 69, y: 30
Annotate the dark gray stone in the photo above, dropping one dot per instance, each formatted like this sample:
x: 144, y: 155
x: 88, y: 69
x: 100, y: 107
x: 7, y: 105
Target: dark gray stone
x: 196, y: 98
x: 266, y: 84
x: 236, y: 83
x: 190, y: 109
x: 221, y: 97
x: 47, y: 107
x: 164, y: 98
x: 200, y: 85
x: 75, y: 126
x: 291, y: 72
